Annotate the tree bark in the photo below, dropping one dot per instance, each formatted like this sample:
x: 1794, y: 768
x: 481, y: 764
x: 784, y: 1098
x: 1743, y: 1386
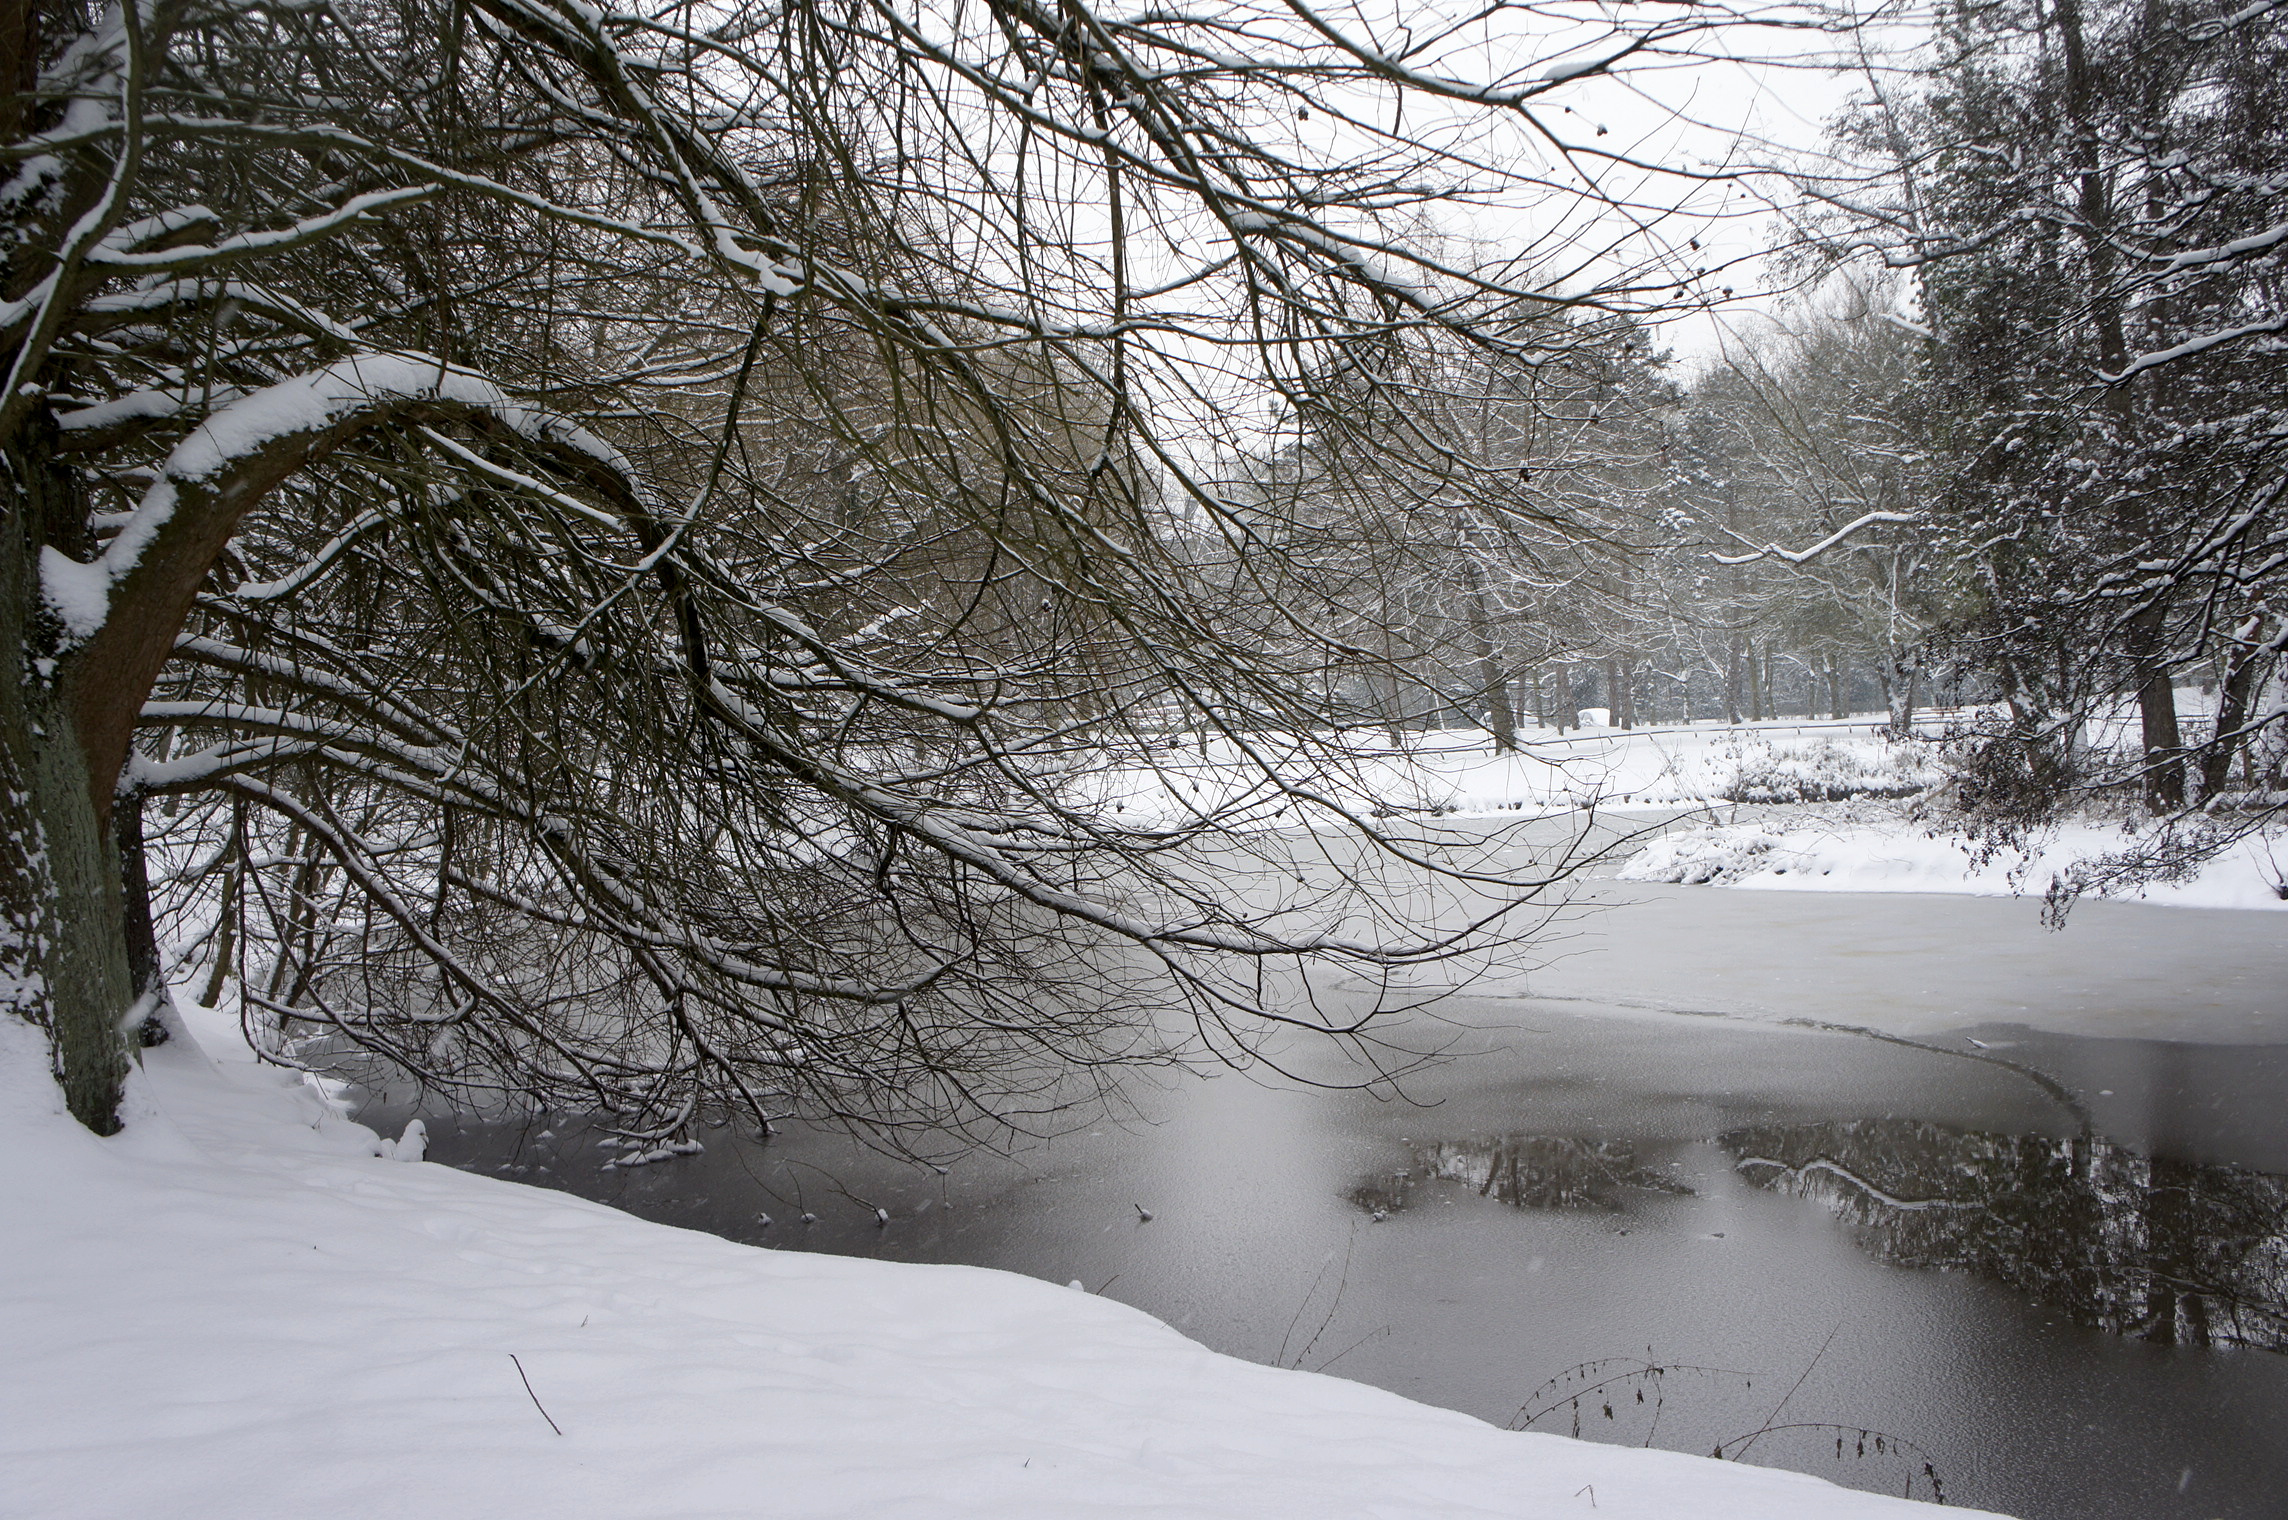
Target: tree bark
x: 64, y: 960
x: 2162, y: 738
x: 2234, y: 693
x: 145, y: 971
x: 1899, y: 697
x: 1493, y: 681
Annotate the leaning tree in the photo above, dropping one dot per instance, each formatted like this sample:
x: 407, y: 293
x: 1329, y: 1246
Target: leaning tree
x: 608, y: 554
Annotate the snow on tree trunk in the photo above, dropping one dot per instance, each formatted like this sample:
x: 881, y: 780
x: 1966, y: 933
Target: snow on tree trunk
x: 64, y: 960
x: 1899, y: 696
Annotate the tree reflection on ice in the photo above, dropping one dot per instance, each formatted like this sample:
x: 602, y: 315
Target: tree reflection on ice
x: 2170, y: 1251
x: 1524, y: 1171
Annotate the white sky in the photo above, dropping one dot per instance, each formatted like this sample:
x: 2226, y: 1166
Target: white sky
x: 1755, y: 112
x: 1758, y: 91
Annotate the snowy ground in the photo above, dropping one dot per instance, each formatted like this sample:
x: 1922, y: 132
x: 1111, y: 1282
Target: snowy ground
x: 1819, y: 792
x: 238, y: 1309
x: 1862, y: 850
x: 1458, y: 772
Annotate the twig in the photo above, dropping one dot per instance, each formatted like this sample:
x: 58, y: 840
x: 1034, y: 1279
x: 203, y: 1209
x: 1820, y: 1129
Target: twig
x: 1647, y: 1369
x: 1347, y: 1350
x: 1301, y: 1308
x: 1798, y: 1383
x: 1334, y: 1306
x: 528, y: 1393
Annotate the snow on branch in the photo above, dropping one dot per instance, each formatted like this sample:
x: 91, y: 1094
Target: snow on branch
x: 1802, y: 556
x: 309, y: 405
x: 2199, y: 345
x: 2238, y: 248
x: 1594, y: 61
x: 117, y: 251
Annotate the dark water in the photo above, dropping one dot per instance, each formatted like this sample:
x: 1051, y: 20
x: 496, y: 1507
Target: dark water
x: 2043, y: 1273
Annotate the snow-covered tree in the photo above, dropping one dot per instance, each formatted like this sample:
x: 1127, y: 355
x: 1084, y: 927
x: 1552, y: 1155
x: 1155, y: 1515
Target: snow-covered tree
x: 1810, y: 482
x: 2091, y: 195
x: 601, y: 551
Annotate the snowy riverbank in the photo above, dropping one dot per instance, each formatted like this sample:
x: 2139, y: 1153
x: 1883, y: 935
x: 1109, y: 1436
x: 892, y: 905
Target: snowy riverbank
x: 1793, y: 805
x: 236, y: 1309
x: 1870, y: 850
x: 1457, y: 772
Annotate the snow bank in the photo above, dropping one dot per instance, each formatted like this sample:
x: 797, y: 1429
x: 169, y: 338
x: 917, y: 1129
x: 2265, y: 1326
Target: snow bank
x: 1830, y: 855
x: 238, y: 1309
x: 1457, y: 771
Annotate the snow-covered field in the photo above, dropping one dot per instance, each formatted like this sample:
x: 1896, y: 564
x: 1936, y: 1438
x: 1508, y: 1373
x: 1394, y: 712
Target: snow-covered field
x: 1818, y: 792
x: 1458, y: 772
x: 237, y: 1309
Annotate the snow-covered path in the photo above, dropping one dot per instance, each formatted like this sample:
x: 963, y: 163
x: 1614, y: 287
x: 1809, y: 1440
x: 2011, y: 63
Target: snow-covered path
x: 237, y: 1310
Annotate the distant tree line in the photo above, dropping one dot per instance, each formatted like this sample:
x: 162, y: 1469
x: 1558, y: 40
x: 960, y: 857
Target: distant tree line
x: 2020, y: 443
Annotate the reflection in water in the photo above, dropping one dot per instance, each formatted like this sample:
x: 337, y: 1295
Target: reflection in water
x: 2166, y: 1250
x: 1524, y: 1171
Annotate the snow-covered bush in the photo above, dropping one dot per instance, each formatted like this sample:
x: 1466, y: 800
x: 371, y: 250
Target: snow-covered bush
x: 1705, y: 856
x: 1831, y: 772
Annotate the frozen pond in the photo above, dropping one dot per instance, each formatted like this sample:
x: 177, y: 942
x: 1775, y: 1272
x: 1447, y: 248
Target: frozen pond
x: 1994, y: 1249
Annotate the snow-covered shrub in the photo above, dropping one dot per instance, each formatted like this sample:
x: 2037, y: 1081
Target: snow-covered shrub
x: 1701, y: 856
x: 1829, y: 772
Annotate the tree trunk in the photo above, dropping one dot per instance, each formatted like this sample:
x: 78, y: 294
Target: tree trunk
x: 2146, y: 633
x: 1504, y: 715
x: 2234, y: 692
x: 226, y: 934
x: 1493, y: 681
x: 1617, y: 692
x: 1390, y: 691
x: 2157, y: 714
x: 2268, y: 739
x: 64, y: 960
x: 145, y: 971
x: 1899, y: 697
